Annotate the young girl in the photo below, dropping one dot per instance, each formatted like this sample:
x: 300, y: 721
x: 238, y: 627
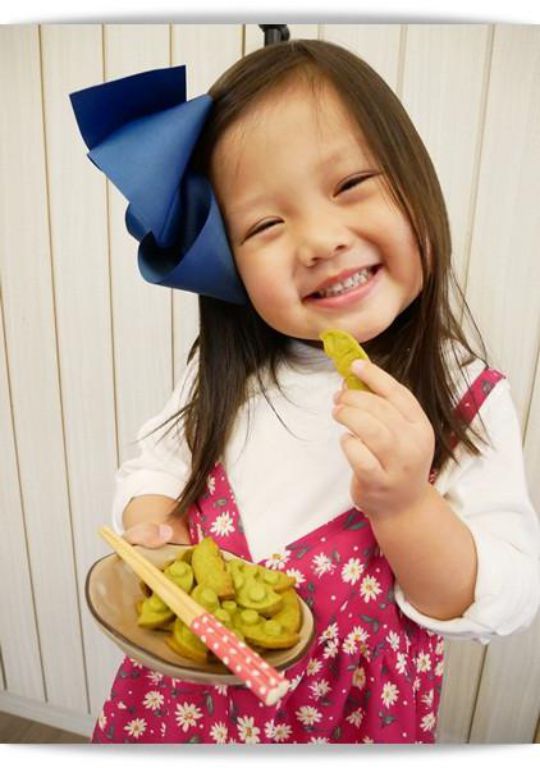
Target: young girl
x: 402, y: 511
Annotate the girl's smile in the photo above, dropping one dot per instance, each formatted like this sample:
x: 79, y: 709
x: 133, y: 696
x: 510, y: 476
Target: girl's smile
x: 347, y: 288
x: 307, y: 212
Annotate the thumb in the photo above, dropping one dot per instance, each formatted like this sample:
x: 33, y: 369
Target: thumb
x: 151, y: 535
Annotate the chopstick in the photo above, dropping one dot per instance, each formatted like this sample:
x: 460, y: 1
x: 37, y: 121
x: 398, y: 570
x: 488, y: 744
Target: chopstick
x: 267, y: 683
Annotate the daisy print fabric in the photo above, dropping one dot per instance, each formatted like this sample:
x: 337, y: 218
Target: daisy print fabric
x: 371, y: 675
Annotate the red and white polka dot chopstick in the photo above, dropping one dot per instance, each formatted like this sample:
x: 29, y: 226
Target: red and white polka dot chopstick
x: 267, y: 683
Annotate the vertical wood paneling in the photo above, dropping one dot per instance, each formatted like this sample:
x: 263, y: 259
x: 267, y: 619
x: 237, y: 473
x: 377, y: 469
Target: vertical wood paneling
x: 443, y: 83
x: 21, y: 658
x: 504, y: 271
x: 207, y: 50
x: 73, y: 59
x: 509, y: 696
x: 141, y: 311
x: 532, y: 441
x: 462, y: 669
x: 503, y: 293
x: 509, y: 693
x: 27, y: 293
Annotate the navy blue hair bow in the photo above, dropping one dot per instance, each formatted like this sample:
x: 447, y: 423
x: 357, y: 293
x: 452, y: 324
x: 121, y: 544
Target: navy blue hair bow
x: 141, y: 132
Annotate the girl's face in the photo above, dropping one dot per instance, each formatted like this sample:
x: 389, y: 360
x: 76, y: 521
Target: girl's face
x: 316, y: 238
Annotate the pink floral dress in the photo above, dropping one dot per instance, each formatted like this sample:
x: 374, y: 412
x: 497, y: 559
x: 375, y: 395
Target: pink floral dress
x: 372, y: 675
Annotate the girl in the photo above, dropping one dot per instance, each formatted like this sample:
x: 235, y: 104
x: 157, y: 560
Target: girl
x: 402, y: 512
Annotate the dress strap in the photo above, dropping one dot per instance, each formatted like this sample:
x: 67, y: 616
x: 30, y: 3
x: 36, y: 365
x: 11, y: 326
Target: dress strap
x: 472, y: 400
x: 216, y: 514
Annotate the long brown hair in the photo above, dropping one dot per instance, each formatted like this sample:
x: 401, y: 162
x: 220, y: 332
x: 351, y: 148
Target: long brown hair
x: 234, y: 343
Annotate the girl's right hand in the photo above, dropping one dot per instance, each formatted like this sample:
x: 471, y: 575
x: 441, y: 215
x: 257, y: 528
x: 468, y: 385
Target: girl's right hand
x: 153, y: 535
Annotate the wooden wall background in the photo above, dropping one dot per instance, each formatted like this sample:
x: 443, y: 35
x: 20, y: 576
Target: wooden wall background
x: 88, y: 350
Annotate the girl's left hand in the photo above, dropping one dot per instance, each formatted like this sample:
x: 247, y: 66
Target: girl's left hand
x: 390, y: 444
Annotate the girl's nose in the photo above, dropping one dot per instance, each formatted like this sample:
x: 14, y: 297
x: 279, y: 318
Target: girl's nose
x: 322, y: 239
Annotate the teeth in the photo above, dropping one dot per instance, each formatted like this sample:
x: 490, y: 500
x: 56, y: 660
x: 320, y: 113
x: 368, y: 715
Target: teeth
x: 353, y: 281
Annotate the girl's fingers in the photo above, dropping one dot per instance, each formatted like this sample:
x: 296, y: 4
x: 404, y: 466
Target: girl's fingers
x: 155, y: 534
x: 361, y: 458
x: 374, y: 434
x: 376, y: 405
x: 383, y: 384
x: 151, y: 535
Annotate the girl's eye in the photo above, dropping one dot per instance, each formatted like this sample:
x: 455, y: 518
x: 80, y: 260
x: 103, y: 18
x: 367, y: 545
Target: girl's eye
x: 350, y: 183
x: 261, y: 228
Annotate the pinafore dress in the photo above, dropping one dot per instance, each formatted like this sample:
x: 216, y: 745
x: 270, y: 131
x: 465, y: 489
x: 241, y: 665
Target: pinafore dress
x: 372, y: 675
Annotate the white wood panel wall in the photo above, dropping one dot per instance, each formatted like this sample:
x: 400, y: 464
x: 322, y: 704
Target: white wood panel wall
x: 32, y: 354
x: 89, y: 350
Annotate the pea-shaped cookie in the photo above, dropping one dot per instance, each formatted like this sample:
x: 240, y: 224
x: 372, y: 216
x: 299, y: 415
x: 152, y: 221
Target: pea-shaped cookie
x: 237, y: 566
x: 184, y: 642
x: 181, y: 573
x: 290, y: 615
x: 225, y: 614
x: 205, y: 596
x: 153, y: 613
x: 343, y: 349
x: 276, y: 580
x: 209, y: 568
x: 260, y: 597
x: 264, y: 633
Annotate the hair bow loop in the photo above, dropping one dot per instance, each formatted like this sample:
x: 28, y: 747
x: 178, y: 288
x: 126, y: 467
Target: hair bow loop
x: 141, y: 133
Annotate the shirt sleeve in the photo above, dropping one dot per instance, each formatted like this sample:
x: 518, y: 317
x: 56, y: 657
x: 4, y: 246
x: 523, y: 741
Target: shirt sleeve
x: 163, y: 463
x: 489, y: 493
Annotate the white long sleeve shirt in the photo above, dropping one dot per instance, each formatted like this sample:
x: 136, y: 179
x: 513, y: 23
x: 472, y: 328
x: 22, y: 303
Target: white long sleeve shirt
x: 287, y: 483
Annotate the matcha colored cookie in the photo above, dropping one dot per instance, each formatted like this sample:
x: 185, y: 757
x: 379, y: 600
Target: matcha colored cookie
x: 276, y: 580
x: 187, y: 644
x: 226, y: 615
x: 153, y: 613
x: 290, y: 615
x: 252, y: 593
x: 258, y: 604
x: 343, y: 349
x: 209, y: 568
x: 206, y: 596
x: 264, y: 633
x: 181, y: 573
